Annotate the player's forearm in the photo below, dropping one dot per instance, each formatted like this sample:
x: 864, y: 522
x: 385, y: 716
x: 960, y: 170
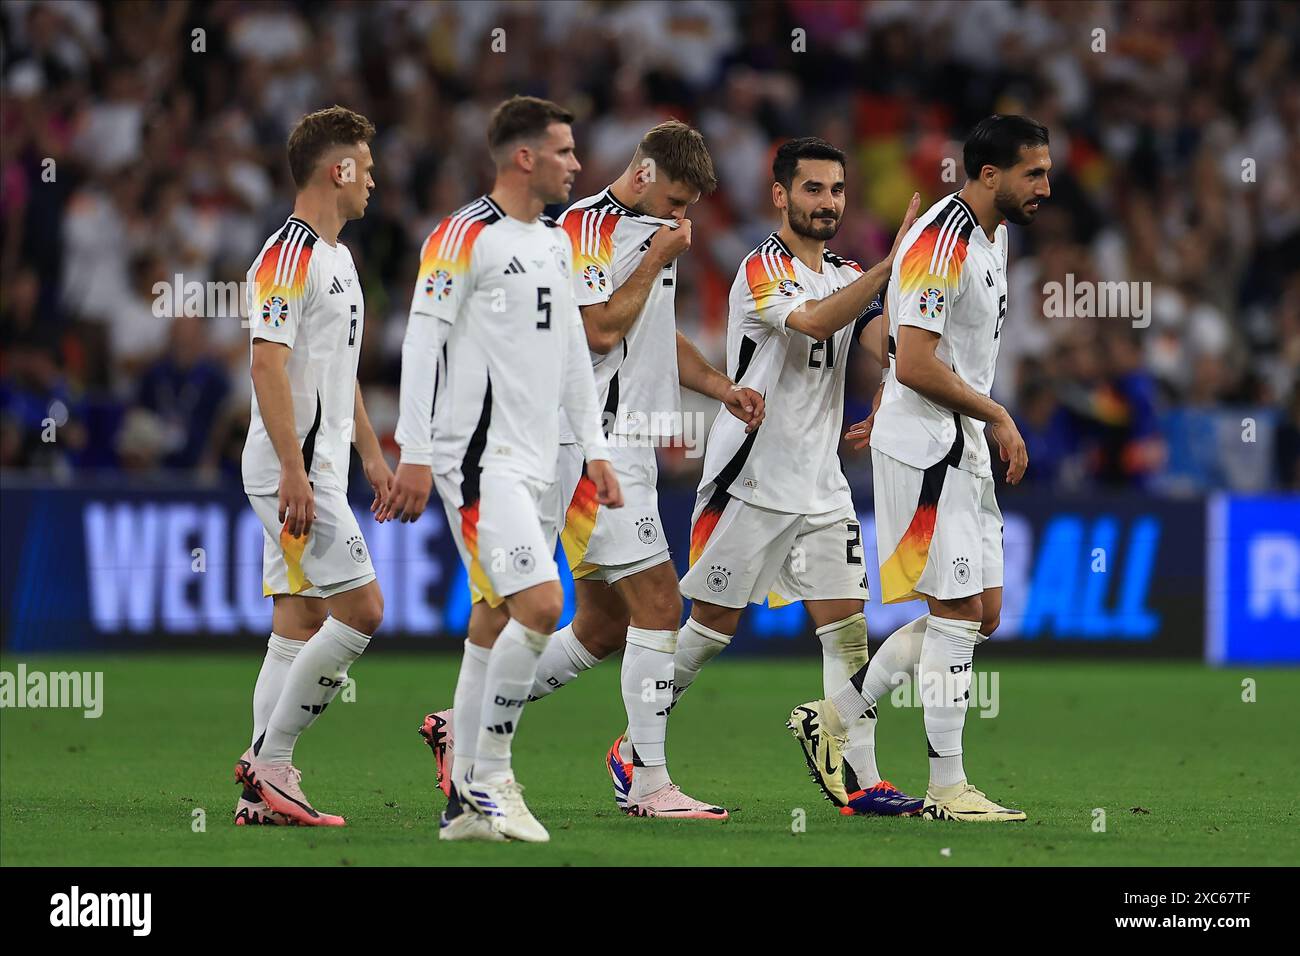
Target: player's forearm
x: 578, y: 397
x: 932, y: 379
x: 608, y: 323
x: 275, y: 402
x: 363, y: 433
x: 822, y: 318
x: 695, y: 373
x: 874, y: 342
x: 420, y: 348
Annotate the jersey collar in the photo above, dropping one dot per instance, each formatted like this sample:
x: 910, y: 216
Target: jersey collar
x: 302, y: 222
x: 977, y: 231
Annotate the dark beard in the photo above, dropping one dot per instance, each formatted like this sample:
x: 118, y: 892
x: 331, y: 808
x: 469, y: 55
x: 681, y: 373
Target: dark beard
x: 1010, y: 210
x: 803, y: 226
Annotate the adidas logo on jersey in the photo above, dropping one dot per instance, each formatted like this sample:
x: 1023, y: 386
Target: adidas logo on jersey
x: 515, y: 268
x: 336, y: 286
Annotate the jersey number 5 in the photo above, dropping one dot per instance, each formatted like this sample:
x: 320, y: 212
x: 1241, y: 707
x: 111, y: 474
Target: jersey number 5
x: 544, y: 305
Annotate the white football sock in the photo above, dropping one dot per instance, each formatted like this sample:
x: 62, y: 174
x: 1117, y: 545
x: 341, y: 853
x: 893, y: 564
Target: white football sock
x: 647, y: 683
x: 313, y: 680
x: 696, y: 646
x: 945, y: 675
x: 894, y: 664
x: 510, y: 672
x: 844, y: 653
x: 563, y: 660
x: 280, y: 653
x: 467, y: 705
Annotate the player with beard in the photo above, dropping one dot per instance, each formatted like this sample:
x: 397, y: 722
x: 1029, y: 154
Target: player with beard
x: 774, y: 517
x: 626, y: 241
x: 938, y: 526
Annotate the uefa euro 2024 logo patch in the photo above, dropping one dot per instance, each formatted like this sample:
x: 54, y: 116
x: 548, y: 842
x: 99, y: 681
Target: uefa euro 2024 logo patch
x: 931, y: 304
x: 274, y: 311
x: 438, y: 285
x: 788, y: 287
x: 595, y: 278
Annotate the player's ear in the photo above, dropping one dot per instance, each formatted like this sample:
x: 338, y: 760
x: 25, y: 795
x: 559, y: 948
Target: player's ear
x: 779, y: 196
x: 524, y: 157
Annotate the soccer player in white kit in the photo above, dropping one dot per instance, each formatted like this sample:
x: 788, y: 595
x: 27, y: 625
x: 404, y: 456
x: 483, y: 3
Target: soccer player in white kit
x: 774, y: 518
x: 626, y: 242
x: 306, y: 314
x: 495, y: 287
x: 938, y: 526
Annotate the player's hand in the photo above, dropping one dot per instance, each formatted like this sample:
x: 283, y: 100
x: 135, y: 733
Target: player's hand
x: 409, y: 493
x: 1011, y: 447
x: 860, y: 433
x: 913, y: 208
x: 297, y: 502
x: 380, y: 477
x: 608, y: 493
x: 747, y: 405
x: 669, y: 242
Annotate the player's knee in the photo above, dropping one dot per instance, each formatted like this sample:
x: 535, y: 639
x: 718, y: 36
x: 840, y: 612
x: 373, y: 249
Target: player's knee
x: 366, y: 613
x: 604, y: 639
x: 544, y: 610
x: 663, y: 612
x: 716, y: 617
x: 989, y: 623
x: 962, y: 609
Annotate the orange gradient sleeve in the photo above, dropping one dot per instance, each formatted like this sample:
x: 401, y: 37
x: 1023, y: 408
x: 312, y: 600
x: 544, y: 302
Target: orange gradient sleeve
x: 929, y: 277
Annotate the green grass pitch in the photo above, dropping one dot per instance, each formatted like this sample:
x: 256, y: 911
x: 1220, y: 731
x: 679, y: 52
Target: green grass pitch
x: 1215, y: 775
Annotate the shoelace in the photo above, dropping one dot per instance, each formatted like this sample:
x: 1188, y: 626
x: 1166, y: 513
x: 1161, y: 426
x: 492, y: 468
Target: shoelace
x: 512, y: 795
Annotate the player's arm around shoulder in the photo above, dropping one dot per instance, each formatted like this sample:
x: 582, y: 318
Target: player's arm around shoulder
x: 819, y: 319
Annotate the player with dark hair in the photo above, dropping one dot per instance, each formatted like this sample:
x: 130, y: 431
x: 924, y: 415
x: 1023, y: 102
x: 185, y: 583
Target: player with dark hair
x: 495, y: 290
x: 774, y: 518
x: 626, y: 242
x: 938, y: 526
x: 306, y: 314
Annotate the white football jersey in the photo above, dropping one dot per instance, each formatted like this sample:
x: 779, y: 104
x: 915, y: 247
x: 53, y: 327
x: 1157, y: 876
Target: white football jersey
x: 948, y: 277
x: 306, y: 294
x: 791, y: 462
x: 636, y: 381
x: 515, y: 353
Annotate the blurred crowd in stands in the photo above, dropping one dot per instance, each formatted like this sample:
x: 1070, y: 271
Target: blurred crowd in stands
x: 145, y: 141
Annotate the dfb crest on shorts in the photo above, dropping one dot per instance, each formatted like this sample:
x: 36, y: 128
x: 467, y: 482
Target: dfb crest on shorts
x: 961, y: 571
x: 646, y: 531
x: 931, y: 304
x: 274, y: 311
x: 718, y: 578
x: 357, y: 548
x: 523, y: 561
x: 438, y: 285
